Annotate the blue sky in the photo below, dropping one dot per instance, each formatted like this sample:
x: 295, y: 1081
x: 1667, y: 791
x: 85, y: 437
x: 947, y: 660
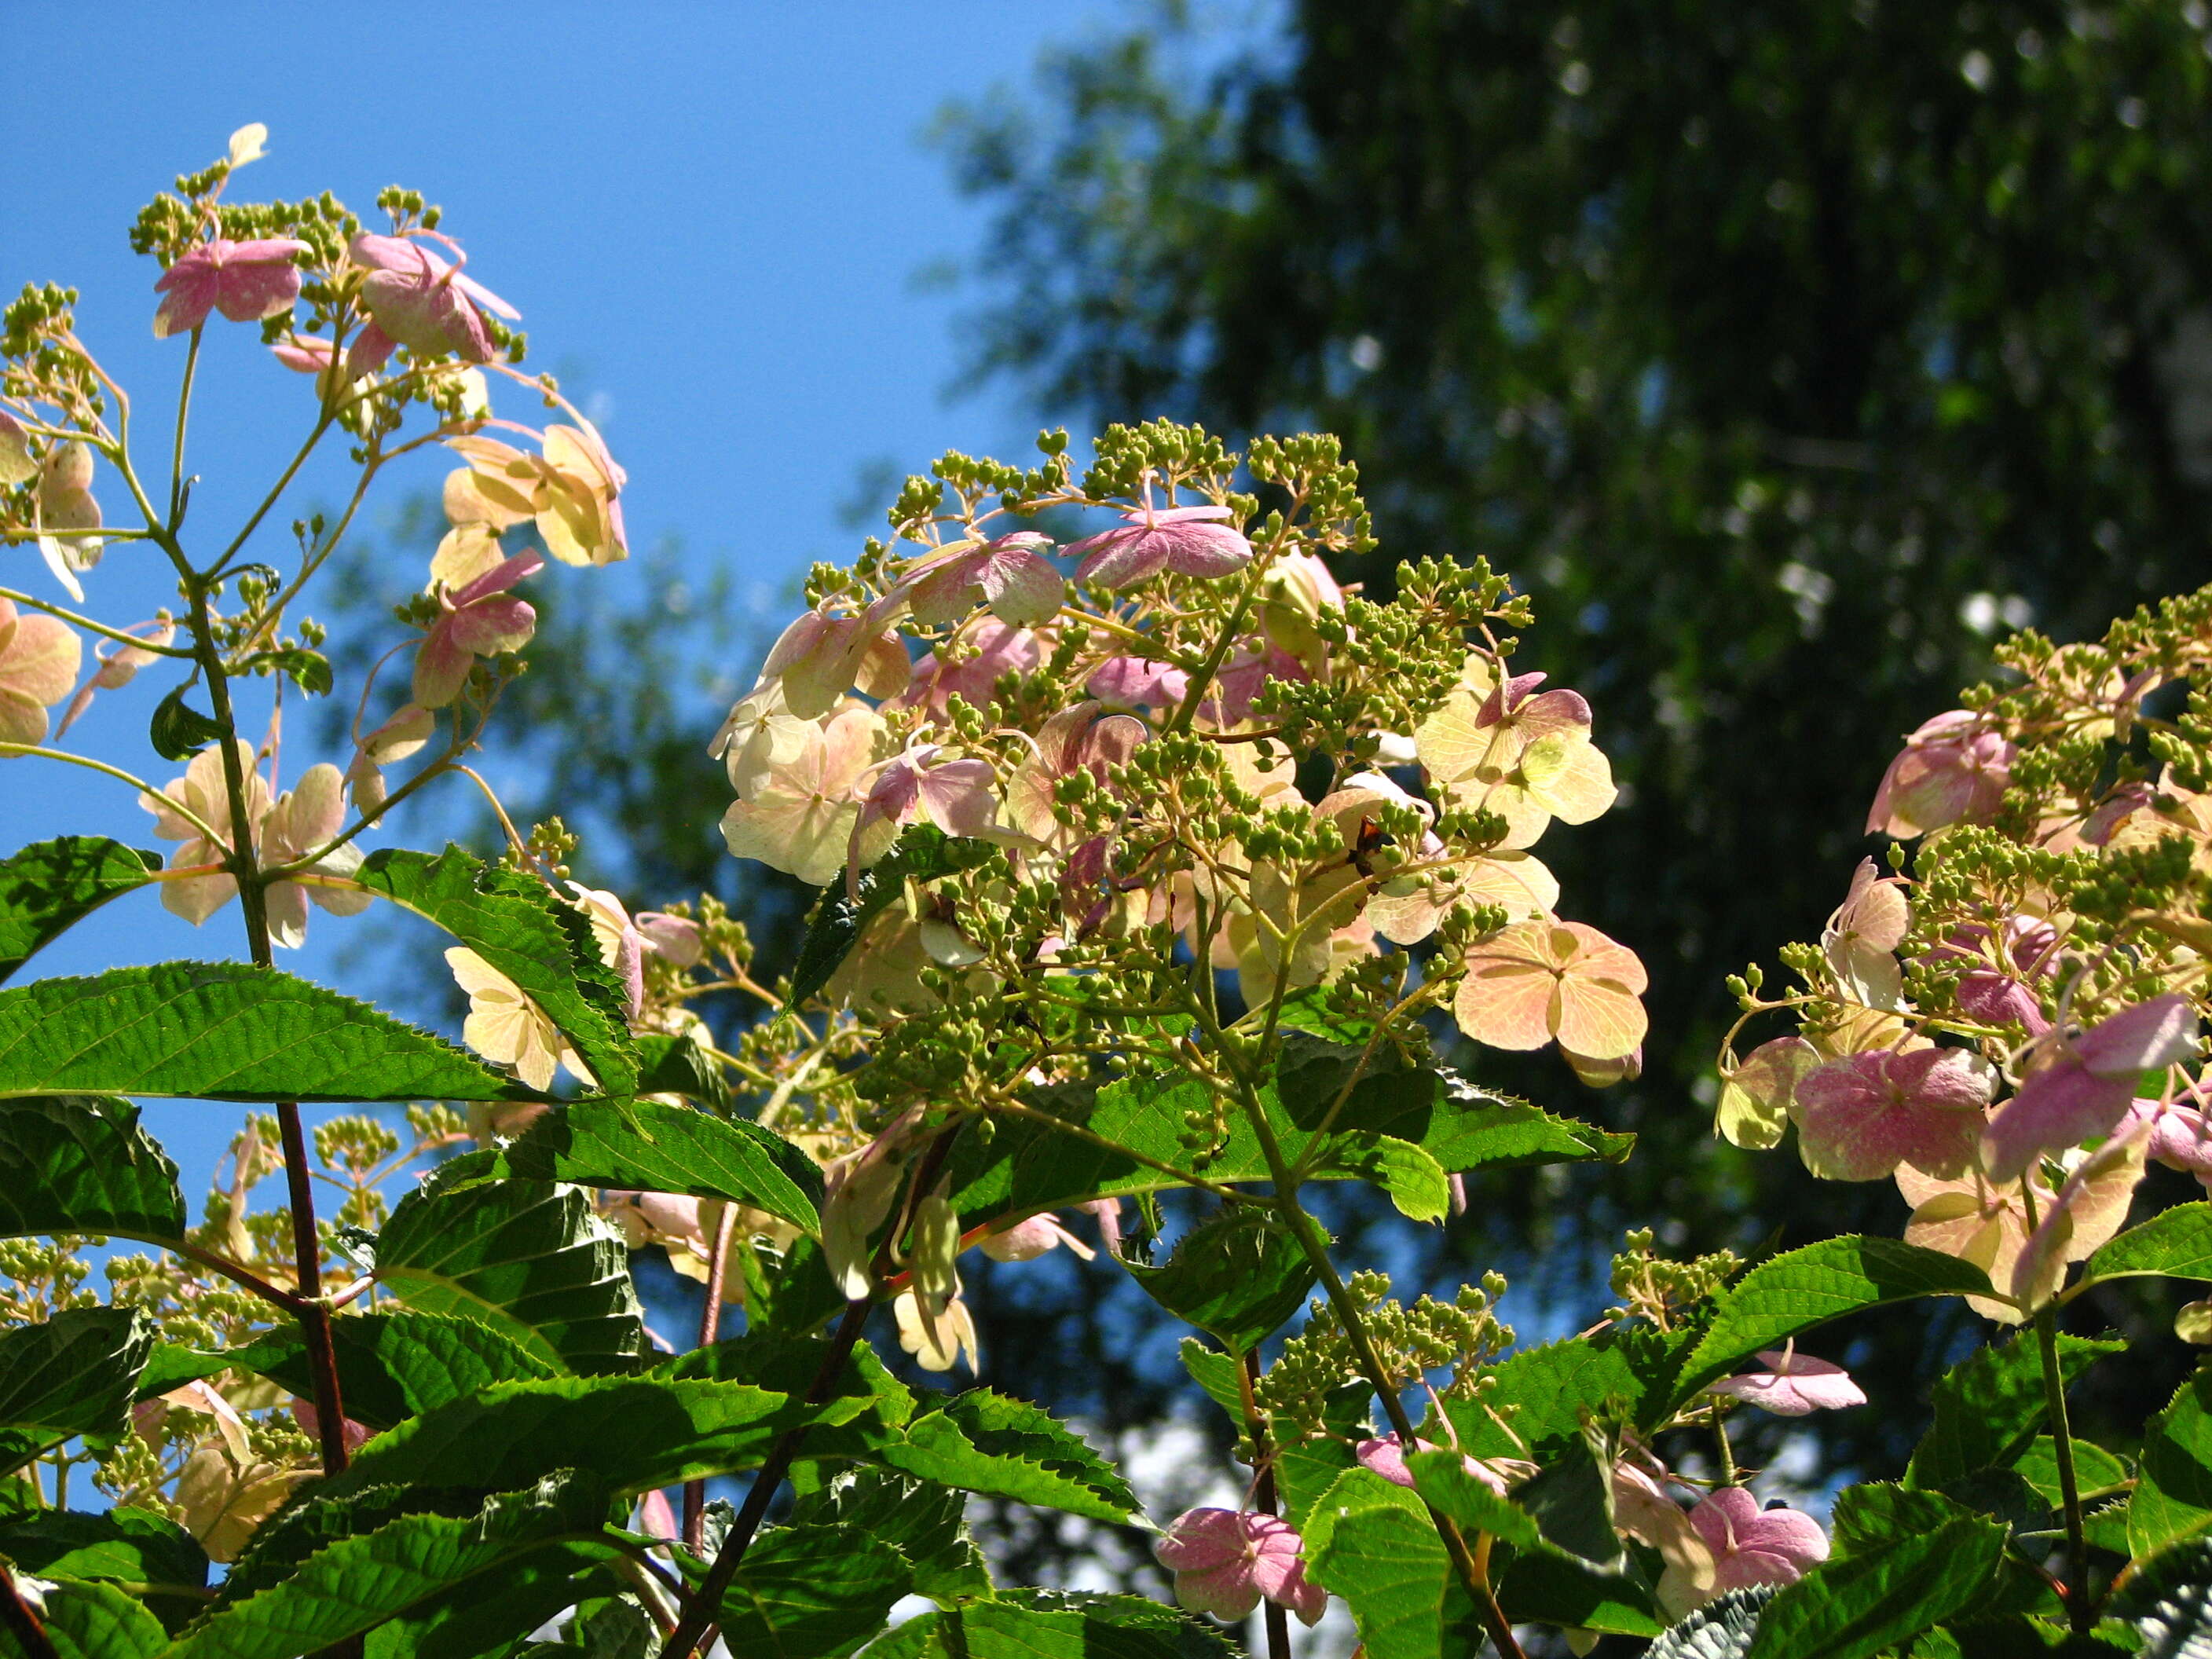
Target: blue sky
x: 710, y: 216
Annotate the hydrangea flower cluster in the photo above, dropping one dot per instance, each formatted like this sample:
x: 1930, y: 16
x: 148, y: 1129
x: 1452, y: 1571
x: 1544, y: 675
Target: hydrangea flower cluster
x: 2007, y: 1023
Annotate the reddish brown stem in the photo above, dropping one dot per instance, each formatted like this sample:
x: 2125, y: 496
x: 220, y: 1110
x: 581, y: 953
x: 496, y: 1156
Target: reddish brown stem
x: 23, y: 1623
x: 710, y: 1326
x: 693, y: 1631
x: 314, y: 1315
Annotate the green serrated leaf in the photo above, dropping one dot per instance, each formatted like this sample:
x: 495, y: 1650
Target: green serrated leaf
x: 655, y: 1147
x: 1721, y: 1629
x: 1237, y: 1276
x: 2173, y: 1486
x: 178, y: 731
x: 926, y: 1523
x: 1305, y: 1469
x: 1054, y: 1625
x: 530, y: 1259
x: 788, y: 1290
x: 515, y: 923
x: 923, y: 853
x: 88, y: 1620
x: 1416, y: 1182
x: 983, y: 1441
x: 133, y: 1545
x: 1380, y: 1551
x: 80, y: 1163
x: 1630, y: 1373
x: 1854, y: 1606
x: 2169, y: 1600
x: 2097, y: 1471
x: 1989, y: 1407
x: 393, y: 1363
x: 224, y: 1031
x: 1793, y: 1293
x: 52, y: 885
x: 1026, y: 1167
x: 632, y: 1433
x: 793, y: 1365
x: 2176, y: 1242
x: 413, y: 1568
x: 812, y: 1592
x: 72, y: 1375
x: 680, y: 1065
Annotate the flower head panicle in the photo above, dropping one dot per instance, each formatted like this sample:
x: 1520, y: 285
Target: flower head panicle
x: 1189, y: 541
x: 857, y: 1193
x: 1793, y: 1384
x: 822, y: 657
x: 299, y: 826
x: 678, y: 939
x: 1952, y: 770
x: 39, y: 660
x: 620, y: 944
x: 1225, y: 1560
x: 19, y: 462
x: 480, y: 619
x: 1997, y: 985
x: 415, y: 298
x: 969, y: 667
x: 66, y: 514
x: 939, y: 1336
x: 2180, y: 1134
x: 2091, y: 1204
x: 1386, y: 1455
x: 245, y: 281
x: 1085, y: 738
x: 800, y: 794
x: 1497, y: 745
x: 2084, y: 1087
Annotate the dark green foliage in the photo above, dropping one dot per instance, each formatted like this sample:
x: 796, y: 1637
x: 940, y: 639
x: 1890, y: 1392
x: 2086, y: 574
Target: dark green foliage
x: 1990, y: 1406
x: 50, y: 886
x: 72, y: 1375
x: 394, y: 1365
x: 527, y: 1257
x: 1054, y: 1625
x: 514, y: 923
x: 650, y: 1144
x: 1237, y: 1276
x: 222, y: 1031
x: 81, y: 1164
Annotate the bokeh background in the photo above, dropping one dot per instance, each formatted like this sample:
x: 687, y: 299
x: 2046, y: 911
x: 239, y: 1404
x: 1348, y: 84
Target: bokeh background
x: 1788, y: 355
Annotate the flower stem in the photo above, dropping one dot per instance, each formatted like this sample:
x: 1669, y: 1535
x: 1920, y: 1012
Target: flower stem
x: 1263, y: 1493
x: 2080, y: 1611
x: 692, y: 1631
x: 710, y: 1324
x: 314, y: 1315
x: 1471, y: 1564
x: 687, y: 1634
